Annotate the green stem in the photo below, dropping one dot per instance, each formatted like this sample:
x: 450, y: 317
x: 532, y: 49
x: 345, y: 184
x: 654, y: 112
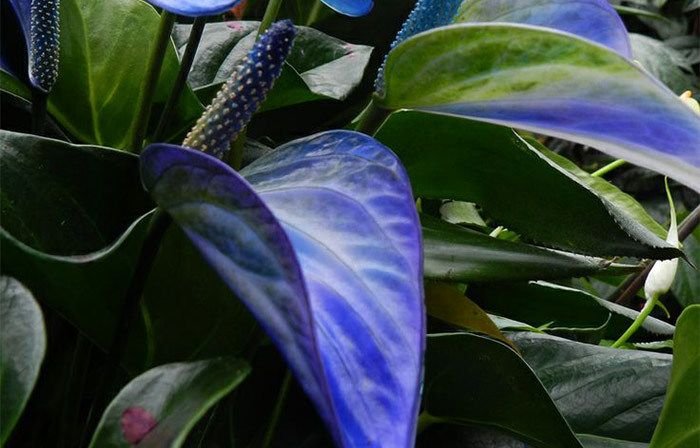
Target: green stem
x: 39, y: 112
x: 648, y: 308
x: 273, y: 8
x: 129, y: 311
x: 426, y: 420
x: 277, y: 411
x: 607, y: 168
x: 148, y: 87
x: 372, y: 118
x: 180, y: 81
x: 313, y: 14
x: 235, y: 156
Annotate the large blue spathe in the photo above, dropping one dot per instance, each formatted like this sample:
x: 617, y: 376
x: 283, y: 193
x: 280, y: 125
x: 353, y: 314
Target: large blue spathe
x: 321, y: 240
x: 352, y: 8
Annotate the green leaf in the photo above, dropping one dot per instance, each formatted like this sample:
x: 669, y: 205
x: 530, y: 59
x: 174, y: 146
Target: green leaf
x: 22, y: 348
x: 662, y: 61
x: 686, y: 285
x: 104, y: 53
x: 567, y: 311
x: 173, y: 396
x: 453, y: 253
x: 65, y: 211
x: 604, y: 189
x: 550, y: 82
x: 515, y: 185
x: 73, y: 221
x: 184, y: 296
x: 446, y: 303
x: 679, y: 425
x: 601, y: 391
x: 457, y: 212
x: 319, y: 66
x: 471, y: 379
x: 590, y: 441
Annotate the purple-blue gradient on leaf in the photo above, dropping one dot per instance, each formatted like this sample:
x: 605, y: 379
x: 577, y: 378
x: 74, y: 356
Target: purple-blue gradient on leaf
x: 580, y: 87
x: 322, y: 242
x: 39, y: 24
x: 195, y: 8
x: 595, y: 20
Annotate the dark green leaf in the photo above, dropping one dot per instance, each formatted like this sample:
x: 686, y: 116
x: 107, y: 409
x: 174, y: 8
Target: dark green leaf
x: 590, y: 441
x: 453, y: 253
x: 565, y: 311
x: 173, y: 397
x: 662, y: 61
x: 601, y: 391
x: 22, y: 347
x: 514, y: 184
x: 679, y: 425
x: 319, y: 66
x: 686, y: 285
x: 104, y: 53
x: 471, y: 379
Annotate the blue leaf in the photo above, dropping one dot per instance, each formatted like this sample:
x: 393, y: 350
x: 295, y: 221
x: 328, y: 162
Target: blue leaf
x: 352, y: 8
x: 194, y: 8
x: 322, y: 243
x: 550, y: 82
x: 595, y: 20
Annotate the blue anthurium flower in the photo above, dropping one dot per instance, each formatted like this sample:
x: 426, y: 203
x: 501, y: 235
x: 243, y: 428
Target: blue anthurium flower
x: 321, y: 240
x: 39, y: 23
x: 557, y: 67
x: 209, y: 7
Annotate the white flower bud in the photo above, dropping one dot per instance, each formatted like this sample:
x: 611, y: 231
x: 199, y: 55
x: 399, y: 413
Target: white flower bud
x: 661, y: 276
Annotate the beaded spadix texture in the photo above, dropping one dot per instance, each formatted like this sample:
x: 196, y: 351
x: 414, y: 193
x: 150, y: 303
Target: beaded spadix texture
x: 243, y: 93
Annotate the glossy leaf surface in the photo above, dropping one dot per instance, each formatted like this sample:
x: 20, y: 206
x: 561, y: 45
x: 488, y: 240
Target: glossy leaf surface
x: 679, y: 425
x: 158, y: 408
x: 595, y: 20
x: 319, y: 66
x: 104, y: 53
x: 601, y: 391
x: 549, y: 82
x: 330, y: 293
x: 514, y: 184
x: 565, y: 310
x: 453, y: 253
x: 22, y: 348
x: 471, y: 379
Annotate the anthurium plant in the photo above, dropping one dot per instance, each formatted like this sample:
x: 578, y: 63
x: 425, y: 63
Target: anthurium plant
x: 314, y: 223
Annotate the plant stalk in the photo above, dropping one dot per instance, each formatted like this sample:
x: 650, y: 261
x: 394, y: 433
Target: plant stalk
x: 39, y: 111
x: 277, y: 411
x: 607, y: 168
x: 372, y: 118
x: 273, y: 8
x: 129, y: 310
x: 638, y: 322
x: 628, y: 289
x: 181, y: 80
x: 148, y: 88
x: 426, y: 420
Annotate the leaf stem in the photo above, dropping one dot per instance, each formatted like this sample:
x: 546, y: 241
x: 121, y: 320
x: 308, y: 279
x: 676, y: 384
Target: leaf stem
x: 372, y: 118
x: 39, y: 111
x: 273, y: 8
x: 628, y: 289
x: 183, y: 72
x: 129, y: 310
x: 638, y: 322
x: 426, y: 420
x: 607, y: 168
x: 148, y: 87
x: 277, y: 411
